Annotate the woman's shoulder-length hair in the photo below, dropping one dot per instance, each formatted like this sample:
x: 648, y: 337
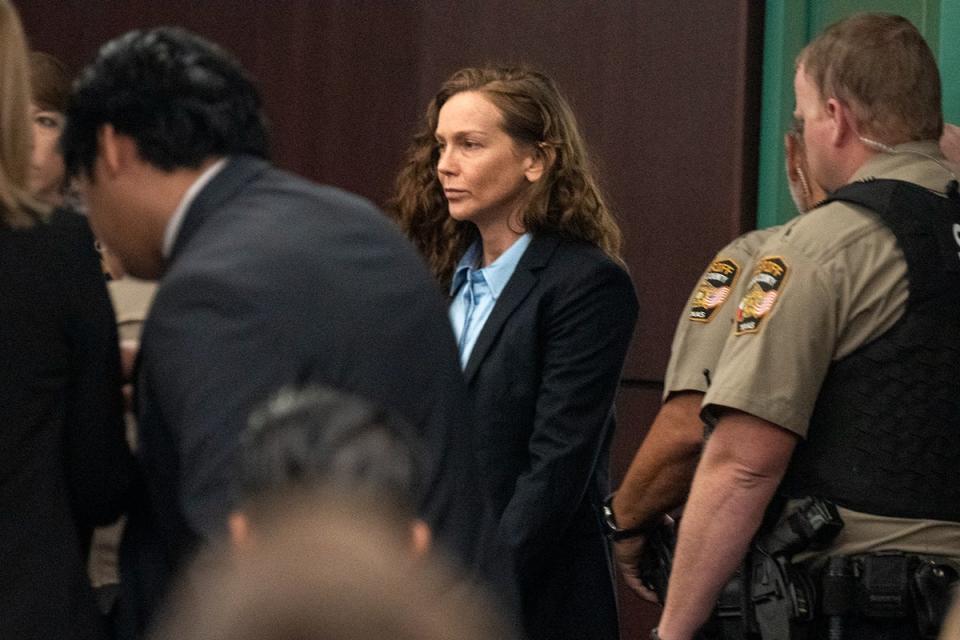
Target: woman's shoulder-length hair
x: 17, y: 207
x: 567, y: 201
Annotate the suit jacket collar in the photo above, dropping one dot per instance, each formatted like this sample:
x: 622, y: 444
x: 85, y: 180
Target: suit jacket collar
x: 521, y: 282
x: 239, y: 171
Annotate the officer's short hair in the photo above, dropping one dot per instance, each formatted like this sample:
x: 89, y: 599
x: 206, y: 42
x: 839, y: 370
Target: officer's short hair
x: 882, y: 68
x: 324, y: 440
x: 180, y: 97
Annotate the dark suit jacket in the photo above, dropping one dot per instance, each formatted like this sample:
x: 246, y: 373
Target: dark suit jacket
x: 274, y: 280
x: 64, y: 465
x: 543, y: 375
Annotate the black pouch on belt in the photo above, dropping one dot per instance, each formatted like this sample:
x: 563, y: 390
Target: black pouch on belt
x: 884, y: 586
x: 932, y: 593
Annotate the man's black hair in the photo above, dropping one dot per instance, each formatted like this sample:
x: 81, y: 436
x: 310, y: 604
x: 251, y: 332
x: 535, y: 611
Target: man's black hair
x: 321, y: 438
x: 180, y: 97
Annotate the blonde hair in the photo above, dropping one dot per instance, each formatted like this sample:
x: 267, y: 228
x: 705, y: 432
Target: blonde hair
x: 17, y: 207
x: 534, y: 112
x: 883, y: 69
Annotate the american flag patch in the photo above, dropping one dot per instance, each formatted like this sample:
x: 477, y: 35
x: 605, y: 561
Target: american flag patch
x: 714, y: 289
x: 762, y: 293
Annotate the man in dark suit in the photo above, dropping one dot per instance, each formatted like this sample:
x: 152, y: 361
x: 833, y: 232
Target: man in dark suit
x: 267, y: 280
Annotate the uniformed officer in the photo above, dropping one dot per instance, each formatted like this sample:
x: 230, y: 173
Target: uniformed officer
x: 839, y: 375
x: 659, y: 476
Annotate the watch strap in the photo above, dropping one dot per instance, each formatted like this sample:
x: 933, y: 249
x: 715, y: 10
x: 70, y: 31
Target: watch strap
x: 612, y: 531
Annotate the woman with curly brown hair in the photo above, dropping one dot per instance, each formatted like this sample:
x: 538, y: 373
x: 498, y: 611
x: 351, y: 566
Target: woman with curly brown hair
x: 498, y: 194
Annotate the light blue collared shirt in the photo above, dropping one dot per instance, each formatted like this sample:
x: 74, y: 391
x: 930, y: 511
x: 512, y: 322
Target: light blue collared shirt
x: 475, y: 291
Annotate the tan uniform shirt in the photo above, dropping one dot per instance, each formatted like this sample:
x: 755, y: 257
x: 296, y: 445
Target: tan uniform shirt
x: 827, y: 283
x: 705, y: 323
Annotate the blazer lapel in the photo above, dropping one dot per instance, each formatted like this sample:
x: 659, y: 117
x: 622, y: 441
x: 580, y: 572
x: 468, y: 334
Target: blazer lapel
x: 518, y: 287
x: 238, y: 172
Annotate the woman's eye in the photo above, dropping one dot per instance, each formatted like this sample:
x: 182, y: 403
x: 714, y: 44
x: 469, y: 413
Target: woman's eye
x: 47, y: 122
x: 471, y: 144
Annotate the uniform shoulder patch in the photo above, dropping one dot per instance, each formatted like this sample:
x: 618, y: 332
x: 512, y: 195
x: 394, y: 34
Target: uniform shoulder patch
x: 714, y: 289
x: 761, y: 294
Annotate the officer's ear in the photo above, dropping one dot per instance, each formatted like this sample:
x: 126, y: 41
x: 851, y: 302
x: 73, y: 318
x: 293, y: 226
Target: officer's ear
x: 843, y: 121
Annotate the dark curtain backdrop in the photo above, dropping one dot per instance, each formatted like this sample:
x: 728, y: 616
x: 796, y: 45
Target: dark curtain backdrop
x: 666, y: 91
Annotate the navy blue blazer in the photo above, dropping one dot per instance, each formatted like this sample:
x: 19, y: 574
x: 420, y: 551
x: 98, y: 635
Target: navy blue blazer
x: 543, y: 375
x: 274, y: 280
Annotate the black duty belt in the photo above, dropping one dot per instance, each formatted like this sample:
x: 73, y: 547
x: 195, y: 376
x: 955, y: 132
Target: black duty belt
x: 887, y: 585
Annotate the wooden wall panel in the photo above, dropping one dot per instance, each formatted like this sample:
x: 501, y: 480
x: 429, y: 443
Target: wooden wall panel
x: 335, y: 76
x: 665, y: 92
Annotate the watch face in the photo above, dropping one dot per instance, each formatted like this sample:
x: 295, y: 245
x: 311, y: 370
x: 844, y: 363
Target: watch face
x: 609, y: 521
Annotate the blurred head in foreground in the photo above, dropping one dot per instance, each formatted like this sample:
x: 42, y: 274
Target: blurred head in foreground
x: 303, y: 445
x: 330, y: 572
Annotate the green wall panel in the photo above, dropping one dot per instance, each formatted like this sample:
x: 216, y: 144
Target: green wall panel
x: 949, y: 56
x: 923, y: 13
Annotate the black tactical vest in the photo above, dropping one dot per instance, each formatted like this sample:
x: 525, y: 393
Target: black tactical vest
x: 885, y: 433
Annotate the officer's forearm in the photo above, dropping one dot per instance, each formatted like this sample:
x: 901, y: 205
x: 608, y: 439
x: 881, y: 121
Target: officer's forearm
x: 662, y: 469
x: 741, y: 468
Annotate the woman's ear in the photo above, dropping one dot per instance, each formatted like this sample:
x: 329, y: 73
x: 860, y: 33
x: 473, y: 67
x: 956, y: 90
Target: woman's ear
x: 541, y: 158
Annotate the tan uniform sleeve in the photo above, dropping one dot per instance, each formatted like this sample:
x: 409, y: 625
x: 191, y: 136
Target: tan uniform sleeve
x: 706, y: 319
x: 774, y: 360
x: 833, y: 282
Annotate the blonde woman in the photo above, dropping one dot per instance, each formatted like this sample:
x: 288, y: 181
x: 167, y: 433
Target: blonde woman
x: 63, y: 459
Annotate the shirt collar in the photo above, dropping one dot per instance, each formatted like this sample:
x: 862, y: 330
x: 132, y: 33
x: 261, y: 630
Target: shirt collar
x: 467, y: 262
x: 172, y: 229
x: 496, y: 274
x: 902, y: 156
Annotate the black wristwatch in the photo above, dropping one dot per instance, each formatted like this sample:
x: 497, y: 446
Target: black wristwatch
x: 610, y: 528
